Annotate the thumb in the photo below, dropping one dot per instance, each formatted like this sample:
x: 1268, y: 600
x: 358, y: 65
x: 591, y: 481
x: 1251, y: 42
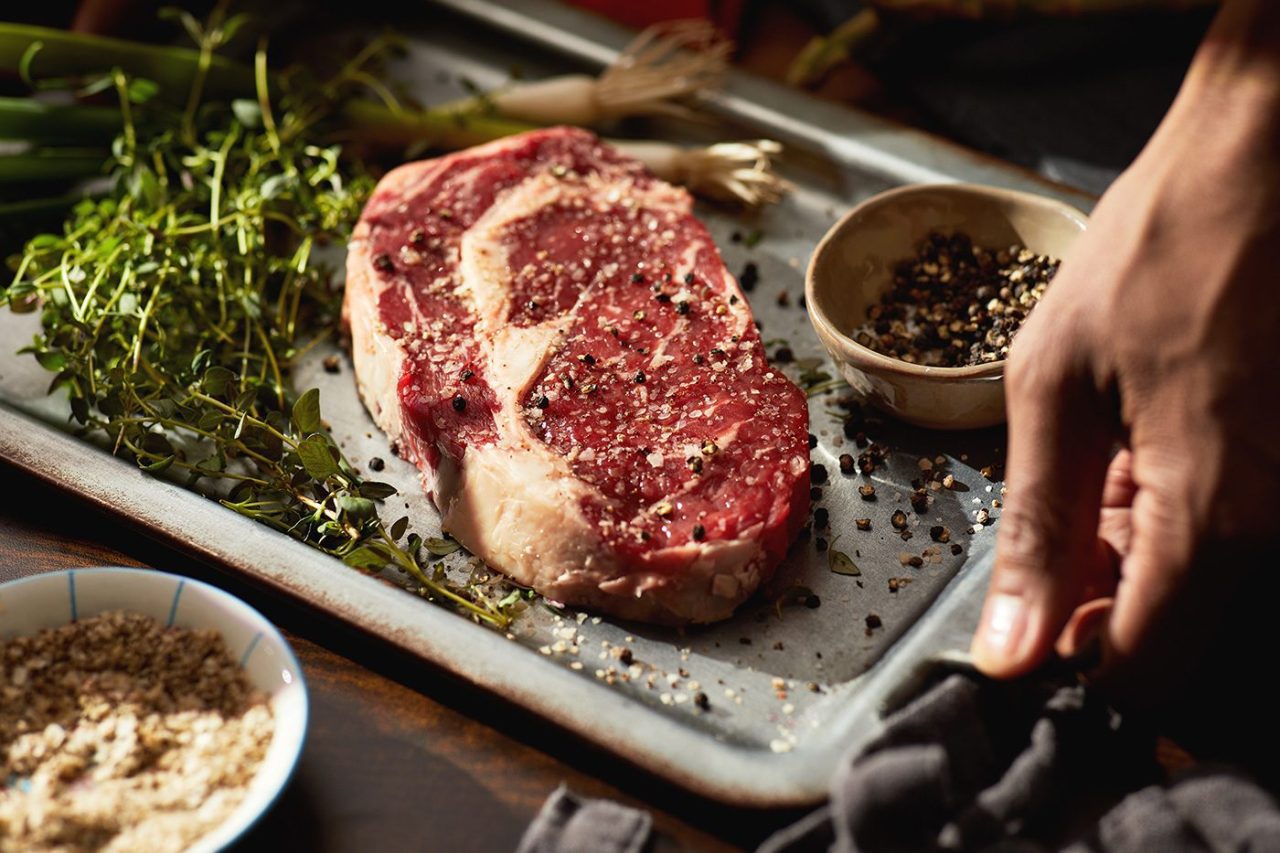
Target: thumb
x: 1059, y: 442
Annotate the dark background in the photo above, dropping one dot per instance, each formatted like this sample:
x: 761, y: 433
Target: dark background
x: 1074, y: 98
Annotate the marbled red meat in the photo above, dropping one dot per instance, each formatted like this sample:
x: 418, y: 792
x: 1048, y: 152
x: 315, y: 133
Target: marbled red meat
x: 550, y: 334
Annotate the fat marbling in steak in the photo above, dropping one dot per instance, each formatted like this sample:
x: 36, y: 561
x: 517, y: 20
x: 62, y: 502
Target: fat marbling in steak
x: 546, y: 330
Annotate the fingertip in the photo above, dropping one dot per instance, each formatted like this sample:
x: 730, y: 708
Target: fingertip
x: 999, y: 648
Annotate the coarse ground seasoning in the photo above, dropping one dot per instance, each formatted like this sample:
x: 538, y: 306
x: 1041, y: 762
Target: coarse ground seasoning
x: 117, y: 733
x: 956, y: 304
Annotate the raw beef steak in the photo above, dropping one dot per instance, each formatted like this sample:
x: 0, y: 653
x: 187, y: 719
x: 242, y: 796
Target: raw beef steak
x: 547, y: 332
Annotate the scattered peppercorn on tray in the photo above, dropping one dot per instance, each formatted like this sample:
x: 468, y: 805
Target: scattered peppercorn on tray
x: 886, y: 578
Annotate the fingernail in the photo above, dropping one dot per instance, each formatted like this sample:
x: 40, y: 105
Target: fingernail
x: 1006, y: 619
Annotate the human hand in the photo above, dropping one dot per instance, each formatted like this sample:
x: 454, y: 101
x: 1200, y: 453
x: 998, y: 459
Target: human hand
x: 1158, y: 333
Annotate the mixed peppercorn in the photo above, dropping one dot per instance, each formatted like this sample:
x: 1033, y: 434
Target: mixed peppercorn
x: 956, y: 304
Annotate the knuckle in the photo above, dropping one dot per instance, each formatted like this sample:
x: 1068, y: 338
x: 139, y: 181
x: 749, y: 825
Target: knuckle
x: 1025, y: 377
x: 1026, y: 542
x: 1036, y: 371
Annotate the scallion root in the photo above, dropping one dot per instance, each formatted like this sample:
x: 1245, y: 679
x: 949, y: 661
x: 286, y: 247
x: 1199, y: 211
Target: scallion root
x: 738, y: 172
x: 662, y: 66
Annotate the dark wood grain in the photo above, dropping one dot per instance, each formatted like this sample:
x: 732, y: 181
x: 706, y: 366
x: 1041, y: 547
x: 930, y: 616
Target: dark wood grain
x: 399, y: 756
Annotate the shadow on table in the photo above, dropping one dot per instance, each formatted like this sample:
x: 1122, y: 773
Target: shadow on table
x: 388, y: 793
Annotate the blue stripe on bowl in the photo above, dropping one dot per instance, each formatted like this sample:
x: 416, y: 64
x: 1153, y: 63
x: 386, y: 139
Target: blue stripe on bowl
x: 253, y: 644
x: 71, y: 590
x: 173, y: 608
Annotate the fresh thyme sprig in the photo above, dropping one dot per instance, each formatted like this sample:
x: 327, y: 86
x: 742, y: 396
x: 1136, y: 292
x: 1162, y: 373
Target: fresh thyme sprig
x: 174, y: 308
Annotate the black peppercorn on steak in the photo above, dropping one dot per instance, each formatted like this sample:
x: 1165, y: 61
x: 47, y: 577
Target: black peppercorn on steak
x: 550, y: 335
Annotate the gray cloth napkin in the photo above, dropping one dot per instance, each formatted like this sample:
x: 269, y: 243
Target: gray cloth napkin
x: 974, y: 765
x: 568, y: 823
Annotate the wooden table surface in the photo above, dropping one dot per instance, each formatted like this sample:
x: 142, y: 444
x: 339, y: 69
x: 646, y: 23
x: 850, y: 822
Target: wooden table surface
x: 399, y: 756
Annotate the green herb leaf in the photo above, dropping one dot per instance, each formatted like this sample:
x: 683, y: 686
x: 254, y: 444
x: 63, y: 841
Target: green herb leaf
x: 840, y: 563
x: 195, y: 31
x: 218, y: 379
x: 80, y: 410
x: 796, y: 594
x: 52, y: 360
x: 440, y: 547
x: 316, y: 458
x: 157, y: 444
x: 158, y: 465
x: 306, y: 411
x: 44, y: 242
x: 141, y: 90
x: 366, y: 557
x: 232, y: 26
x: 812, y: 378
x: 357, y: 509
x: 247, y: 112
x: 377, y: 491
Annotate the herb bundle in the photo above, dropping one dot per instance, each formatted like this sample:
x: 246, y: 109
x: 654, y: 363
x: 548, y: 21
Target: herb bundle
x: 174, y: 307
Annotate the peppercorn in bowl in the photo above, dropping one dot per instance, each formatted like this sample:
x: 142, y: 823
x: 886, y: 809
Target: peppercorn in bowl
x: 917, y: 294
x: 140, y: 710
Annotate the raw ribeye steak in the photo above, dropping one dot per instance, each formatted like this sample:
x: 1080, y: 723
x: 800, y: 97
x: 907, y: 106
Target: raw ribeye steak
x: 548, y: 333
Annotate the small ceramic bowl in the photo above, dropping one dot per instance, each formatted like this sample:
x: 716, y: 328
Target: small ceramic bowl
x: 56, y: 598
x: 853, y: 265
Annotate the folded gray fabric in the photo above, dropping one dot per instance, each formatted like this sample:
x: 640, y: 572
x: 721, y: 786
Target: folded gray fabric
x: 1209, y: 810
x: 978, y: 765
x: 568, y: 823
x: 975, y: 765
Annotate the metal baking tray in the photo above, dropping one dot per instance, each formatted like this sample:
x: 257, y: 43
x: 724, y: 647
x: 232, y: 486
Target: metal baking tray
x: 789, y: 688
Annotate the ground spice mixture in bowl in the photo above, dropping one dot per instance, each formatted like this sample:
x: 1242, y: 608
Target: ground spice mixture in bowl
x: 918, y: 292
x: 139, y: 710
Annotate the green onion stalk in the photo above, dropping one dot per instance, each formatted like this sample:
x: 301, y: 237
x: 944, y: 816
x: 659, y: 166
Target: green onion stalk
x: 658, y: 74
x: 56, y: 165
x: 35, y: 121
x: 42, y: 53
x: 662, y: 68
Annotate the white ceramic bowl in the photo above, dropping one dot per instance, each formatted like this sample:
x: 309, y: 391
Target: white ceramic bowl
x: 56, y: 598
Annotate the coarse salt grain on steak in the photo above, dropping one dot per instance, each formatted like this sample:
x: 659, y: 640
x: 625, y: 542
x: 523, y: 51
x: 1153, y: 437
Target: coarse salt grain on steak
x: 548, y: 333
